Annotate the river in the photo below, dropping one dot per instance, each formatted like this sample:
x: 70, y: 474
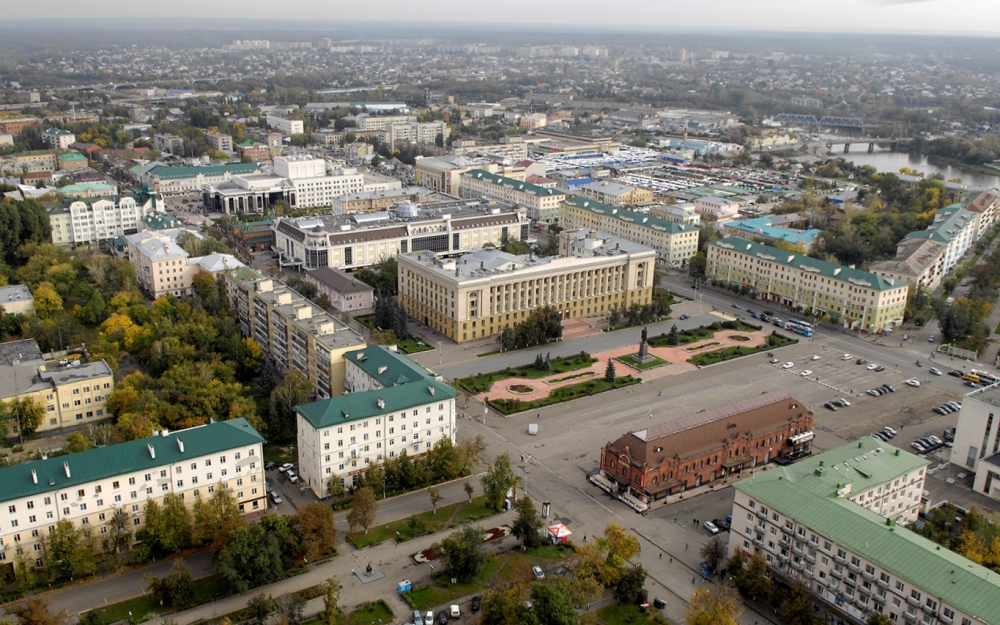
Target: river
x: 886, y: 161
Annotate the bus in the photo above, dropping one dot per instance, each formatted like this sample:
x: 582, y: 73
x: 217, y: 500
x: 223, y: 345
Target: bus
x: 985, y: 377
x: 800, y: 327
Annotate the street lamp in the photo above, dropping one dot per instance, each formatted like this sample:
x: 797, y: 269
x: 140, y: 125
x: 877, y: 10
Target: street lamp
x: 440, y: 357
x: 526, y: 459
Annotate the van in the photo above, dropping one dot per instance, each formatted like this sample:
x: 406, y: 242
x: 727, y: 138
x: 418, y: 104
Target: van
x: 971, y: 377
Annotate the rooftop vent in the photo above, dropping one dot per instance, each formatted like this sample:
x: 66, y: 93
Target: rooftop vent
x: 34, y: 477
x: 66, y: 468
x: 180, y: 445
x: 381, y: 403
x: 152, y: 451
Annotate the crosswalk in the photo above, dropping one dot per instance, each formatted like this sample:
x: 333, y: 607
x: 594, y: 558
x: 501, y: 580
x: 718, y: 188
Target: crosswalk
x: 917, y: 352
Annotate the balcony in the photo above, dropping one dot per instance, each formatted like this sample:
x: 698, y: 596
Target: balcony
x: 912, y: 601
x: 783, y: 557
x: 758, y: 541
x: 797, y: 550
x: 837, y: 574
x: 909, y: 618
x: 784, y: 542
x: 869, y: 576
x: 882, y: 583
x: 798, y: 565
x: 761, y: 515
x: 929, y: 610
x: 810, y: 559
x: 840, y: 559
x: 854, y: 567
x: 787, y: 530
x: 947, y: 620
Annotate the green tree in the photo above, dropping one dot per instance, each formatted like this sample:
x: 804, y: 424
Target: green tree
x: 48, y: 303
x: 553, y: 605
x: 464, y: 554
x: 797, y: 608
x: 290, y: 606
x: 714, y: 552
x: 710, y: 606
x: 35, y: 611
x: 435, y: 494
x: 259, y: 608
x: 331, y: 599
x: 750, y: 580
x: 629, y: 589
x: 698, y: 266
x: 251, y: 557
x: 77, y: 442
x: 211, y: 516
x: 315, y: 527
x: 609, y: 372
x: 498, y: 480
x: 673, y: 338
x: 335, y: 488
x: 174, y: 589
x: 469, y: 490
x: 167, y: 528
x: 118, y: 537
x: 877, y: 618
x: 25, y: 413
x: 293, y: 391
x: 71, y: 550
x: 444, y: 460
x: 363, y: 509
x: 505, y: 606
x: 527, y: 527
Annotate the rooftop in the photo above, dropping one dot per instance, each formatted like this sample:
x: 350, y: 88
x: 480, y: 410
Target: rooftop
x: 640, y: 219
x: 14, y: 293
x: 388, y: 365
x: 26, y: 349
x: 513, y: 183
x: 103, y: 188
x: 762, y: 226
x: 948, y: 223
x: 129, y: 457
x: 338, y: 280
x: 155, y: 220
x: 358, y: 406
x: 813, y: 265
x: 165, y: 172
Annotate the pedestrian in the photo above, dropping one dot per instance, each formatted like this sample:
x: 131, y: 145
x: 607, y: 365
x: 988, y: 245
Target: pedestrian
x: 685, y: 547
x: 692, y: 581
x: 660, y: 394
x: 584, y: 538
x: 671, y: 559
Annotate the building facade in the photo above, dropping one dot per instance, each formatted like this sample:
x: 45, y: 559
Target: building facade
x: 977, y: 440
x: 16, y: 299
x: 88, y: 488
x: 395, y: 406
x: 482, y: 293
x: 58, y: 139
x: 105, y: 218
x: 616, y: 193
x: 285, y: 125
x: 863, y: 300
x: 542, y: 203
x: 346, y: 293
x: 166, y: 142
x: 709, y: 447
x: 161, y: 266
x: 673, y: 243
x: 295, y: 333
x: 219, y: 141
x: 166, y: 179
x: 833, y: 522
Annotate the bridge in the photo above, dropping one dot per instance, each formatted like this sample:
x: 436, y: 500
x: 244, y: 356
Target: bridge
x: 893, y: 143
x: 828, y: 122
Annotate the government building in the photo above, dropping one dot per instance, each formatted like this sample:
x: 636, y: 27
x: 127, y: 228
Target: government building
x: 482, y: 293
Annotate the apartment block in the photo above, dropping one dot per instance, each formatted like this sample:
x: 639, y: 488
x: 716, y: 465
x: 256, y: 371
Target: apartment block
x: 977, y: 440
x: 643, y: 467
x: 392, y: 406
x: 985, y: 207
x: 542, y: 203
x: 89, y: 488
x: 863, y: 300
x: 513, y: 148
x: 366, y: 122
x: 481, y: 293
x: 285, y: 125
x: 164, y: 268
x: 346, y: 293
x: 57, y: 138
x: 616, y: 193
x: 295, y: 333
x: 674, y: 243
x: 166, y: 142
x: 413, y: 132
x: 834, y: 522
x: 219, y: 141
x: 71, y: 395
x: 96, y: 220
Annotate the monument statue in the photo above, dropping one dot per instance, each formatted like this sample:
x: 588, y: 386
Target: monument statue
x: 645, y: 334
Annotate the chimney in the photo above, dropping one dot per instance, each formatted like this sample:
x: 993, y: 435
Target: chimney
x: 34, y: 477
x: 431, y: 389
x: 164, y: 432
x: 381, y: 403
x: 66, y: 468
x: 152, y: 452
x: 180, y: 445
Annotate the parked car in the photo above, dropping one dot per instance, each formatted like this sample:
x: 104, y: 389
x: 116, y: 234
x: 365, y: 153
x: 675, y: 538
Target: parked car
x: 685, y: 316
x: 538, y: 572
x: 430, y: 617
x: 861, y: 361
x: 840, y: 401
x: 285, y: 467
x: 454, y: 611
x: 442, y: 618
x: 888, y: 430
x: 889, y: 388
x: 270, y: 464
x: 476, y: 602
x: 773, y: 361
x: 939, y: 410
x: 293, y: 477
x: 872, y: 392
x: 806, y: 372
x: 722, y: 524
x: 949, y: 434
x: 788, y: 365
x: 845, y: 357
x: 913, y: 383
x: 418, y: 619
x: 957, y: 405
x: 711, y: 527
x: 935, y: 440
x: 880, y: 368
x: 275, y: 497
x: 871, y: 367
x: 831, y: 406
x: 926, y: 442
x: 930, y: 340
x: 814, y: 357
x: 920, y: 448
x: 935, y: 371
x: 879, y: 435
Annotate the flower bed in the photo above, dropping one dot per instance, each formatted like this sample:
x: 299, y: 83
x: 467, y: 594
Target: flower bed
x: 739, y: 338
x: 698, y: 348
x: 521, y: 389
x: 565, y: 393
x: 567, y: 378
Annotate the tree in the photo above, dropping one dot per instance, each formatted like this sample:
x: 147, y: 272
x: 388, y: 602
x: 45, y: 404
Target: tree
x: 331, y: 611
x: 259, y: 608
x: 253, y: 356
x: 77, y: 442
x: 363, y: 509
x: 176, y: 588
x: 469, y: 490
x: 35, y: 611
x: 293, y: 390
x: 290, y: 606
x: 710, y: 606
x: 673, y: 338
x: 435, y: 494
x: 468, y: 453
x: 444, y: 460
x: 877, y: 618
x: 498, y: 480
x: 698, y: 266
x: 118, y: 537
x: 463, y: 553
x: 629, y: 589
x: 26, y: 412
x: 543, y: 325
x: 505, y: 606
x: 48, y: 303
x: 750, y: 580
x: 168, y: 527
x: 714, y: 552
x: 605, y: 558
x: 335, y: 488
x: 315, y: 526
x: 251, y: 557
x: 553, y: 605
x: 527, y: 526
x: 797, y: 608
x: 71, y: 550
x: 211, y: 516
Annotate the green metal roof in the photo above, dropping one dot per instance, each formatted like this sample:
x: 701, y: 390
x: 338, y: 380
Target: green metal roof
x: 813, y: 265
x: 624, y: 214
x: 165, y: 172
x: 358, y: 406
x: 72, y: 156
x: 390, y: 368
x: 129, y: 457
x: 86, y: 187
x: 156, y: 220
x: 948, y: 222
x: 517, y: 185
x: 800, y: 493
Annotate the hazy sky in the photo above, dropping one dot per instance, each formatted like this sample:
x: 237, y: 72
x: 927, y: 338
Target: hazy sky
x: 943, y: 16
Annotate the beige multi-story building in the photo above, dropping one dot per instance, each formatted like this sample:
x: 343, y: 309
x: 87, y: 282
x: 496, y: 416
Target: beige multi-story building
x: 985, y: 208
x: 285, y: 125
x: 90, y: 487
x: 542, y: 203
x: 219, y: 141
x: 674, y: 243
x: 164, y: 268
x: 58, y: 139
x: 366, y: 122
x: 16, y: 299
x: 392, y: 405
x: 482, y: 293
x: 36, y: 160
x: 616, y: 193
x: 106, y: 218
x: 513, y: 148
x: 71, y: 395
x: 863, y: 300
x: 833, y: 523
x: 444, y: 173
x: 370, y: 201
x: 413, y: 132
x: 297, y: 334
x: 170, y: 143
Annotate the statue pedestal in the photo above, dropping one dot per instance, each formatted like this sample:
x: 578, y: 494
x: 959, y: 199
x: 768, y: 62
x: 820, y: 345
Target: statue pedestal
x: 643, y: 355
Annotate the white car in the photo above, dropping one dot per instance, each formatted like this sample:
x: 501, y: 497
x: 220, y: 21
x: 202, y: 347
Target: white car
x: 788, y: 365
x: 814, y: 357
x: 913, y: 382
x: 935, y: 370
x: 711, y: 527
x: 871, y: 366
x: 538, y: 572
x: 285, y: 467
x: 806, y: 373
x: 845, y: 357
x: 843, y: 401
x: 888, y: 430
x: 429, y: 618
x: 455, y: 612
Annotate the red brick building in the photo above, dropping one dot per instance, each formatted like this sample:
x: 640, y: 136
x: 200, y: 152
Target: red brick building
x: 706, y: 447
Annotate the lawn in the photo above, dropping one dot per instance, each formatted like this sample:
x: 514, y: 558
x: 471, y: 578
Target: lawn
x: 374, y: 613
x: 424, y: 597
x: 412, y: 346
x: 729, y: 353
x: 476, y: 384
x: 281, y: 453
x: 997, y: 331
x: 401, y: 530
x: 619, y: 614
x: 474, y: 511
x: 204, y: 589
x: 632, y: 361
x: 565, y: 393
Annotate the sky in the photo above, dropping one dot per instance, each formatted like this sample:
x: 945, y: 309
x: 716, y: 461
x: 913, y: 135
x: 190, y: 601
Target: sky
x: 972, y: 17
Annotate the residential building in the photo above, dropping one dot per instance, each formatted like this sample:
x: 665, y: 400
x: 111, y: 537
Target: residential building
x: 413, y: 132
x: 954, y: 226
x: 977, y: 440
x: 285, y: 125
x: 482, y: 293
x: 715, y: 209
x: 370, y: 201
x: 71, y: 160
x: 219, y: 141
x: 366, y: 122
x: 35, y: 177
x: 360, y: 240
x: 346, y: 293
x: 27, y: 96
x: 166, y: 179
x: 96, y: 189
x: 253, y: 151
x: 100, y: 219
x: 88, y: 488
x: 61, y: 223
x: 15, y: 125
x: 674, y: 243
x: 16, y: 299
x: 295, y: 333
x: 444, y: 174
x: 542, y: 203
x: 6, y: 139
x: 985, y: 207
x: 273, y: 140
x: 57, y: 138
x: 71, y: 395
x: 162, y: 267
x: 616, y: 193
x: 36, y: 160
x: 169, y: 143
x: 834, y: 523
x: 863, y: 300
x: 713, y: 446
x: 761, y: 228
x: 918, y: 261
x: 509, y: 147
x: 395, y: 407
x: 677, y: 213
